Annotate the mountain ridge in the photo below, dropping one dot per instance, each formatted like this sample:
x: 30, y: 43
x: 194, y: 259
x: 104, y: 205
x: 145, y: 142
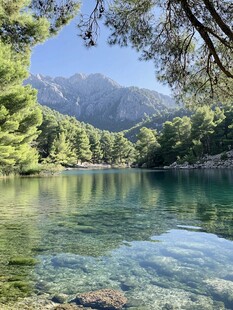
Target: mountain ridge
x: 99, y: 100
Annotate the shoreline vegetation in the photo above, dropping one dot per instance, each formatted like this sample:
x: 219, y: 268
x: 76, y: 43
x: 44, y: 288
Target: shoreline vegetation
x: 45, y: 170
x: 223, y: 160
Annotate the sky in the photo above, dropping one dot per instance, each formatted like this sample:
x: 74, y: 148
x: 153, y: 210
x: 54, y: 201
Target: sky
x: 65, y: 55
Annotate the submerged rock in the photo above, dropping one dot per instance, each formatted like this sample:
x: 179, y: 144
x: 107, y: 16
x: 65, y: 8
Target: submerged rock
x: 41, y: 302
x: 222, y: 290
x: 60, y: 298
x: 102, y: 299
x: 153, y: 297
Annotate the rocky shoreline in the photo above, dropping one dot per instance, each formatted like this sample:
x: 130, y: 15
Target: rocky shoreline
x: 223, y: 160
x: 108, y: 299
x: 111, y: 299
x: 87, y: 165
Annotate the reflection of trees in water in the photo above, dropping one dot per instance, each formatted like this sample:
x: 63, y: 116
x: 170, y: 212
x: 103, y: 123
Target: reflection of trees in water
x: 92, y: 213
x: 203, y: 196
x: 105, y: 210
x: 86, y: 213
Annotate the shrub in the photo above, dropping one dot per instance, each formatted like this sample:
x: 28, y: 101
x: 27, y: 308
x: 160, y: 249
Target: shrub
x: 224, y: 156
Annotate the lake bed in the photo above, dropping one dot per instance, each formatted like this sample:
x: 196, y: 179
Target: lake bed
x: 164, y: 238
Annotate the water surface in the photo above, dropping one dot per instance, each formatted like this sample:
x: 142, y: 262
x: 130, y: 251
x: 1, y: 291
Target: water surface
x: 162, y: 237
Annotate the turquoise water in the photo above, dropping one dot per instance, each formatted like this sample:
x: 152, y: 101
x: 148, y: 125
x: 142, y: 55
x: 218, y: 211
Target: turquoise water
x: 162, y: 237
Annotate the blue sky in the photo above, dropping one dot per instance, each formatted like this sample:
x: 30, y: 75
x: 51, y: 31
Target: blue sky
x: 65, y: 55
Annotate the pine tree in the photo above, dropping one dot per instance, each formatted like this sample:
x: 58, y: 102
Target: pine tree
x: 19, y: 114
x: 49, y: 130
x: 123, y: 150
x: 203, y: 126
x: 97, y: 153
x: 82, y: 145
x: 107, y: 141
x: 146, y: 145
x: 20, y: 29
x: 61, y: 151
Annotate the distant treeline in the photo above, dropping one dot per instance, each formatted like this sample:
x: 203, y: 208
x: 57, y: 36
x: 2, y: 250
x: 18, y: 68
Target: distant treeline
x: 66, y: 141
x: 187, y: 138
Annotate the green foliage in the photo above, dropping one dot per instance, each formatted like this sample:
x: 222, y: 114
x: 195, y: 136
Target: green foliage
x: 175, y: 138
x: 82, y: 145
x: 187, y: 139
x: 190, y: 158
x: 61, y: 151
x: 57, y: 13
x: 107, y: 141
x: 224, y: 156
x: 123, y: 150
x: 25, y: 23
x: 22, y: 25
x: 48, y: 132
x: 96, y: 151
x: 20, y: 115
x: 64, y: 140
x: 147, y: 145
x: 48, y: 168
x: 190, y: 43
x: 204, y: 122
x: 33, y: 169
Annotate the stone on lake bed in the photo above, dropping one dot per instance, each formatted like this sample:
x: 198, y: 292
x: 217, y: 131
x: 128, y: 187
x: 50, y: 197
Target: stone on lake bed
x: 70, y: 261
x: 153, y: 297
x: 23, y: 261
x: 102, y: 299
x: 60, y: 298
x: 221, y: 288
x: 85, y: 228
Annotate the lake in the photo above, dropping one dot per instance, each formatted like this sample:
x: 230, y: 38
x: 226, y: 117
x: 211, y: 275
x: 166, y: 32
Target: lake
x: 162, y: 237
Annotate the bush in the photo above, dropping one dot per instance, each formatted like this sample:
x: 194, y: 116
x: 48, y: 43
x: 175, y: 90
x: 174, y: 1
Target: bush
x: 224, y: 156
x: 30, y: 170
x: 190, y: 158
x: 50, y: 168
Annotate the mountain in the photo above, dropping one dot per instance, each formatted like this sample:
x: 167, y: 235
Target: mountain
x: 98, y: 100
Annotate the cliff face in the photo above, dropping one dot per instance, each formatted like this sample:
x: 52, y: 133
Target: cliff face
x: 98, y: 100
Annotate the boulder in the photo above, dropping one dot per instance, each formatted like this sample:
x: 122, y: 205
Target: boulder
x: 222, y: 290
x: 102, y: 299
x: 60, y: 298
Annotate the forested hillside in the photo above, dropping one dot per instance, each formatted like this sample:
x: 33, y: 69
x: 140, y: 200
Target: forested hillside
x: 66, y: 141
x: 155, y: 121
x: 206, y: 131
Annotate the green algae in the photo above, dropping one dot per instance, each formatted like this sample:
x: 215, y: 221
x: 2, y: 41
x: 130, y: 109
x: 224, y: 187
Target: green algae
x: 23, y: 261
x: 11, y: 291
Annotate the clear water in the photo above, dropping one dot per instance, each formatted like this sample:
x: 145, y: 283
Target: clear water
x: 162, y: 237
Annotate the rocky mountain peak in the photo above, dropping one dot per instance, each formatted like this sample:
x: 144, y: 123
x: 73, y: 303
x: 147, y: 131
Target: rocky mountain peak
x: 98, y: 100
